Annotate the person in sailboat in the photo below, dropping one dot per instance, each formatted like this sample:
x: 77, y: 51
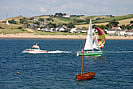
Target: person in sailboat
x: 82, y: 51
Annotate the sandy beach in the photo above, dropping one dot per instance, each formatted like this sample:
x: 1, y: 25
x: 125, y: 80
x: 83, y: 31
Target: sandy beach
x: 32, y: 36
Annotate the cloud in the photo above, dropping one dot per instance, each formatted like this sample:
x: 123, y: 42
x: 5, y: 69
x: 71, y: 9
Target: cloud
x: 68, y: 7
x: 87, y: 7
x: 72, y: 5
x: 52, y: 1
x: 42, y: 9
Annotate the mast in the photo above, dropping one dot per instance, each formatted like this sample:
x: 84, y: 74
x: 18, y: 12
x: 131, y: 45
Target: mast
x: 82, y: 64
x: 82, y: 60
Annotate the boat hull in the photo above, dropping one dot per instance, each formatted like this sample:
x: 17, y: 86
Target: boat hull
x: 35, y: 51
x: 85, y: 76
x: 90, y: 53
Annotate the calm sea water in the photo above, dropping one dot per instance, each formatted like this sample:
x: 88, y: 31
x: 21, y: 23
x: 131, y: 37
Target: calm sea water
x: 57, y: 70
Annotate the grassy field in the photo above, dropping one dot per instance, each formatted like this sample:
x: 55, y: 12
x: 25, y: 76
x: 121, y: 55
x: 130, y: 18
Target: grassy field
x: 121, y: 22
x: 113, y: 18
x: 125, y: 21
x: 11, y: 26
x: 12, y: 31
x: 60, y: 20
x: 56, y: 33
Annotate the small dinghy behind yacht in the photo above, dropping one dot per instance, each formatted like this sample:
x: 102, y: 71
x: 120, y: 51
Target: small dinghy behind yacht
x: 35, y: 49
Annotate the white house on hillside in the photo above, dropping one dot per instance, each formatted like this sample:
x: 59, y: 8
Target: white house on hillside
x: 62, y: 29
x: 120, y: 33
x: 116, y: 28
x: 66, y: 16
x: 129, y: 33
x: 73, y: 30
x: 7, y: 22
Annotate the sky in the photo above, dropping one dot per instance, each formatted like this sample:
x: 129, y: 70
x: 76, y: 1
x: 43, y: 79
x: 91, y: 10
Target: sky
x: 29, y: 8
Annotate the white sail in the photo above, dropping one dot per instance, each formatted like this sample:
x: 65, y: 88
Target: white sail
x: 89, y: 40
x: 95, y: 44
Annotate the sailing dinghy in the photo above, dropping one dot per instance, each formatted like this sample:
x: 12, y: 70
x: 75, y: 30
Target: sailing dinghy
x: 85, y: 76
x: 92, y: 46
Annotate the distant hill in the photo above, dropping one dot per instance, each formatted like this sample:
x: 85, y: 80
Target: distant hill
x: 78, y: 21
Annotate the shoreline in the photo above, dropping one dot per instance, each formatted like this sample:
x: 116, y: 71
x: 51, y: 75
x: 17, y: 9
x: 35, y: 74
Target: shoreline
x: 32, y: 36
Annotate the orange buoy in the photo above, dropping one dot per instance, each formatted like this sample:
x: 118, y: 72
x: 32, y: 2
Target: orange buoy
x: 17, y: 72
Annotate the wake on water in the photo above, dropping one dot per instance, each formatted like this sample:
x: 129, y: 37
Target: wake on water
x: 126, y: 51
x: 58, y: 51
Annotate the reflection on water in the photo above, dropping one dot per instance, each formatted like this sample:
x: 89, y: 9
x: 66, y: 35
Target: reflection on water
x: 122, y: 51
x: 96, y: 58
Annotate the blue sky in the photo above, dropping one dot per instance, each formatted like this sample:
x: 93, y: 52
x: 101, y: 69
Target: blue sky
x: 29, y: 8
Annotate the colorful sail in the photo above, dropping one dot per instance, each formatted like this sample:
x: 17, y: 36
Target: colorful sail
x: 95, y: 43
x: 101, y: 40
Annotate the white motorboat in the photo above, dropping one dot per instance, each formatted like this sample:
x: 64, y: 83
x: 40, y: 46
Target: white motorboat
x: 35, y: 49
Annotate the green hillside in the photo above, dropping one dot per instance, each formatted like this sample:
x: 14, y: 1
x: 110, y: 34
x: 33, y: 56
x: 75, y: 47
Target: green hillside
x: 112, y: 18
x: 79, y: 21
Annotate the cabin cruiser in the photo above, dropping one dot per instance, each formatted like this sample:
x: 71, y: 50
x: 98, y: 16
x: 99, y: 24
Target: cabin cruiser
x: 35, y: 49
